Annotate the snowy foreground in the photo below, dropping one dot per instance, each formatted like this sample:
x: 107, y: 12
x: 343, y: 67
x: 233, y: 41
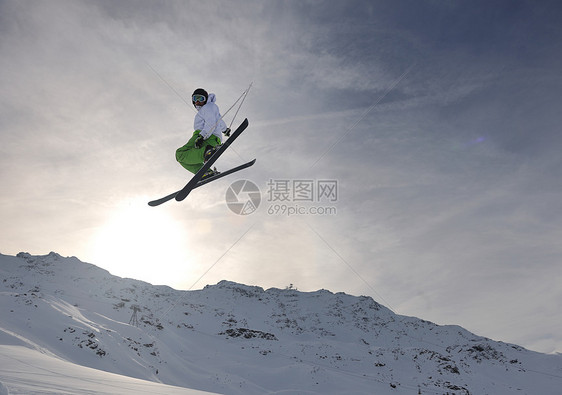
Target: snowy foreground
x: 71, y: 327
x: 27, y: 371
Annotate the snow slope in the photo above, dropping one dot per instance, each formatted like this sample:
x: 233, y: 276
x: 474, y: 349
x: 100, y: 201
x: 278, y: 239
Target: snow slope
x: 26, y: 371
x: 237, y: 339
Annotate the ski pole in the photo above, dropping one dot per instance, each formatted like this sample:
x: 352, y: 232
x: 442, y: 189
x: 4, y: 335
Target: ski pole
x: 243, y: 95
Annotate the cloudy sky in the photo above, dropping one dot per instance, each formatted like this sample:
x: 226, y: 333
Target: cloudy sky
x: 436, y: 123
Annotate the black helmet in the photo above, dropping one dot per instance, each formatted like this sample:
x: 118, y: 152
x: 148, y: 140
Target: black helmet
x: 197, y: 95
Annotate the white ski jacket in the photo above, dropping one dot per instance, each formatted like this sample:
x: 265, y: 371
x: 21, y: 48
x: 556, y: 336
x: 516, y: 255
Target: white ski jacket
x: 208, y: 119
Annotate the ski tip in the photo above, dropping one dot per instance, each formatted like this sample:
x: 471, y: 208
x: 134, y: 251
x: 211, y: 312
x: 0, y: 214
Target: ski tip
x: 179, y: 197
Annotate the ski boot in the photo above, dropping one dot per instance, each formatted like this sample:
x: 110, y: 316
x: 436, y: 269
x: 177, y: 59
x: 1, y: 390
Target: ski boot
x: 210, y: 173
x: 209, y: 151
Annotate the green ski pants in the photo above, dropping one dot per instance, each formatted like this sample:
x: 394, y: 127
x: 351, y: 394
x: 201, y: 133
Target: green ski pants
x: 192, y: 158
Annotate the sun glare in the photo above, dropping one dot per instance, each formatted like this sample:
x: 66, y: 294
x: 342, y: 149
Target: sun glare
x: 140, y: 242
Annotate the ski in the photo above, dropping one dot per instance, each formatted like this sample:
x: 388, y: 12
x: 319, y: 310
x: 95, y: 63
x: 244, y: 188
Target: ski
x: 182, y: 194
x: 158, y: 202
x: 203, y: 182
x: 224, y: 173
x: 196, y: 179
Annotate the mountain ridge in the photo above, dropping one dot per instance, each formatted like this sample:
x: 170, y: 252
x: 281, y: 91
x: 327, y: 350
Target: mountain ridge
x: 242, y: 339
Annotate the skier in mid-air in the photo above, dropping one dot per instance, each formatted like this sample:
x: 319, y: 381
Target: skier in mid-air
x: 209, y: 127
x: 205, y: 146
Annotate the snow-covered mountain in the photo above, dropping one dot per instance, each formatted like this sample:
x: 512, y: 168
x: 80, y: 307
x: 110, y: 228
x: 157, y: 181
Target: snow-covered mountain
x: 237, y: 339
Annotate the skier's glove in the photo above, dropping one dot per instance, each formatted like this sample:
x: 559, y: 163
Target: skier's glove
x: 199, y: 141
x: 227, y: 132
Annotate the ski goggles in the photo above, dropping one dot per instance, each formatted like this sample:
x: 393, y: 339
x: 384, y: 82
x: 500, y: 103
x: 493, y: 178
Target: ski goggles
x: 198, y: 98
